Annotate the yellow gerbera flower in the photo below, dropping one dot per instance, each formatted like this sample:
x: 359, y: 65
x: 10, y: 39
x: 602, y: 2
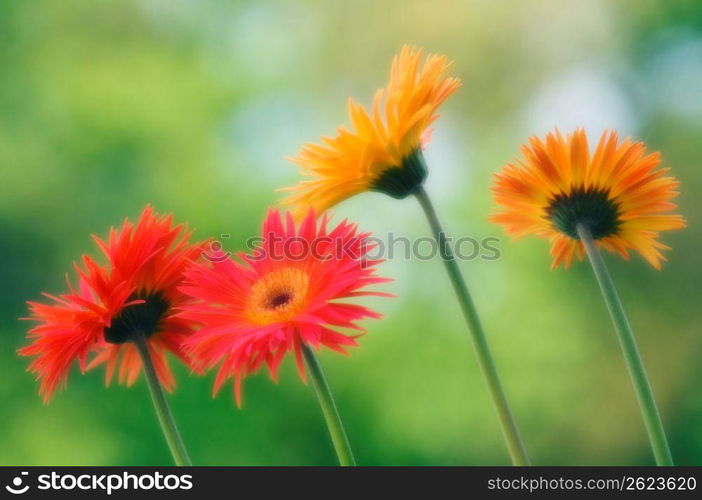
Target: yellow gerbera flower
x: 381, y: 152
x: 619, y: 193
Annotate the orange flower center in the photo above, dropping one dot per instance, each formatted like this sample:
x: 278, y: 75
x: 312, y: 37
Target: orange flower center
x: 278, y: 296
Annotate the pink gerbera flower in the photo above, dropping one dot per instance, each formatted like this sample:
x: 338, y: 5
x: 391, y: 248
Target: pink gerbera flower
x: 280, y: 297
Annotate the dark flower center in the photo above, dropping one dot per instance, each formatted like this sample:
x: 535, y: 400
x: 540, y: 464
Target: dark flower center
x: 590, y: 206
x: 402, y: 180
x: 138, y: 319
x: 279, y: 300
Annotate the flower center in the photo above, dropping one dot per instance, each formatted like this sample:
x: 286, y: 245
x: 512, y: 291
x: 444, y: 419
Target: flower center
x: 278, y: 296
x: 279, y: 300
x: 590, y: 206
x: 138, y: 319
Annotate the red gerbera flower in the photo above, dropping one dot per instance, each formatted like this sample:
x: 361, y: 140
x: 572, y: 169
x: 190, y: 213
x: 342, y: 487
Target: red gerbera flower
x: 280, y: 297
x: 134, y: 294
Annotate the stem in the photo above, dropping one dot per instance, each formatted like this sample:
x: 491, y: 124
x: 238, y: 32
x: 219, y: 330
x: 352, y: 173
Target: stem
x: 510, y: 431
x: 637, y: 372
x: 163, y: 411
x: 331, y: 414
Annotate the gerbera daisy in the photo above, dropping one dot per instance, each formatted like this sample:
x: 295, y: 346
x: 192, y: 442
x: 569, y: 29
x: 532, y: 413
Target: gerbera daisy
x: 619, y: 200
x: 282, y: 298
x: 618, y: 192
x: 123, y: 311
x: 382, y: 151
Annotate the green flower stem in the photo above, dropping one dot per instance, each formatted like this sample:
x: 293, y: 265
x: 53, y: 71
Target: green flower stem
x: 331, y: 414
x: 637, y: 372
x: 510, y: 431
x: 163, y: 411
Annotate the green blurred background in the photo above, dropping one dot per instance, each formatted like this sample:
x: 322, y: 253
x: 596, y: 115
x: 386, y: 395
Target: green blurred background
x: 192, y: 106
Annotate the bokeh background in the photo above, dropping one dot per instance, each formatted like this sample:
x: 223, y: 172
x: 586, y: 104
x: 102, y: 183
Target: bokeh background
x: 193, y: 105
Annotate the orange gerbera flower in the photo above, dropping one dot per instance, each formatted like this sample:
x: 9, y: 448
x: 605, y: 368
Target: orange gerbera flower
x: 381, y: 152
x: 136, y: 293
x: 619, y: 193
x: 283, y: 296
